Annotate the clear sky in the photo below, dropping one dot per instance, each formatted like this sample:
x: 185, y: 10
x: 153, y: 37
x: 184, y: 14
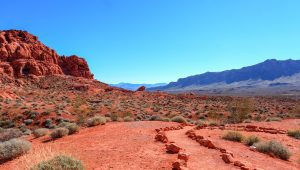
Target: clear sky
x: 150, y: 41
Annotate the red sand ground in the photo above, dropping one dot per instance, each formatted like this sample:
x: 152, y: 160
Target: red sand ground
x: 131, y: 145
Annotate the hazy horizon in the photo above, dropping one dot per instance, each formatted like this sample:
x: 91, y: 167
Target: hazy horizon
x: 160, y: 41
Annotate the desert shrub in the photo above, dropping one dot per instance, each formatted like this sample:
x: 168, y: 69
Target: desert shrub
x: 240, y: 110
x: 275, y: 148
x: 8, y: 134
x: 128, y: 119
x: 155, y: 118
x: 7, y: 124
x: 250, y: 140
x: 247, y: 121
x: 273, y: 119
x: 213, y: 123
x: 40, y: 132
x: 60, y: 162
x: 96, y: 120
x: 114, y: 117
x: 165, y: 119
x: 233, y: 136
x: 28, y: 121
x: 13, y: 148
x: 59, y: 133
x: 294, y: 133
x: 108, y: 119
x: 72, y: 127
x: 178, y: 119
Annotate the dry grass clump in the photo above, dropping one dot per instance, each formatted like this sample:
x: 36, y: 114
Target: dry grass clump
x: 13, y: 148
x: 178, y: 119
x: 96, y: 120
x: 294, y: 133
x: 275, y: 148
x: 40, y: 132
x: 233, y: 136
x: 8, y: 134
x: 72, y: 127
x: 59, y: 133
x: 60, y: 162
x: 250, y: 140
x: 240, y: 110
x: 128, y: 119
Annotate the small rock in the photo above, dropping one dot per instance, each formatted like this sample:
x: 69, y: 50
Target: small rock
x: 227, y: 158
x: 172, y: 148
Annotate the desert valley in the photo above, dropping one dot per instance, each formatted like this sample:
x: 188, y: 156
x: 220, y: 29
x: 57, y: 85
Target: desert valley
x: 55, y: 115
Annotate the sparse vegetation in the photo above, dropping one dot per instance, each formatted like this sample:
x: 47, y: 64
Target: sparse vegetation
x: 128, y: 119
x: 233, y: 136
x: 294, y: 133
x: 8, y: 134
x: 40, y: 132
x: 240, y: 110
x: 72, y: 127
x: 250, y: 140
x: 59, y: 133
x: 60, y: 162
x: 13, y: 148
x: 179, y: 119
x: 96, y: 120
x: 275, y: 148
x: 273, y: 119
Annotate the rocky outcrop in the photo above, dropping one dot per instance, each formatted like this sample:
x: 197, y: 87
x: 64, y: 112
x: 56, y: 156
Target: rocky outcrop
x: 21, y: 55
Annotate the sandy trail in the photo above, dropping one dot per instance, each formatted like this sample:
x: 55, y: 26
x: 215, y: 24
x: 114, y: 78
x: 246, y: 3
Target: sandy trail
x: 200, y: 157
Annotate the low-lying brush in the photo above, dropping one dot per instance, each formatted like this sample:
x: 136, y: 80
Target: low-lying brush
x: 178, y: 119
x: 275, y: 148
x: 294, y: 133
x: 251, y: 140
x: 60, y: 162
x: 96, y: 120
x: 40, y: 132
x: 8, y: 134
x: 128, y: 119
x: 233, y: 136
x: 72, y: 127
x: 59, y: 133
x: 13, y: 148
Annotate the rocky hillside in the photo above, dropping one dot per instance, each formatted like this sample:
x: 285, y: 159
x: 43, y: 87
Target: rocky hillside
x: 22, y: 55
x: 268, y: 70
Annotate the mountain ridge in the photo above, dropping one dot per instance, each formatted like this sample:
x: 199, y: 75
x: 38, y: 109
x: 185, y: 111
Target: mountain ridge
x: 269, y: 70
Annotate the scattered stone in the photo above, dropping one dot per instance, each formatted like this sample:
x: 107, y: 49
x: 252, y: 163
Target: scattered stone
x: 172, y: 148
x: 227, y: 158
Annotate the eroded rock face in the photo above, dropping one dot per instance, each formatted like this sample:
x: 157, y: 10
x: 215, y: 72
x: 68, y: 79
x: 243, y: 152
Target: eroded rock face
x: 21, y: 54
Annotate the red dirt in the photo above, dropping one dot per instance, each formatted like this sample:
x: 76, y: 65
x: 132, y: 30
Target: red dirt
x: 113, y: 146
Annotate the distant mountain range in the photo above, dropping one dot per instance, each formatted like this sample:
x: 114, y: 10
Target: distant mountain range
x: 271, y: 76
x: 130, y: 86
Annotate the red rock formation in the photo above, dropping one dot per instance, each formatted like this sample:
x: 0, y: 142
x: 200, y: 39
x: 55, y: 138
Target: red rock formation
x: 142, y: 88
x: 21, y: 54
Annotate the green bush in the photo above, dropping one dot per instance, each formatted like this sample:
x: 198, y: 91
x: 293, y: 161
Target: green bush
x: 233, y: 136
x: 128, y: 119
x: 59, y: 133
x: 40, y: 132
x: 8, y: 134
x: 294, y: 133
x: 13, y: 148
x: 179, y: 119
x: 251, y: 140
x: 275, y: 148
x: 96, y: 120
x: 60, y: 162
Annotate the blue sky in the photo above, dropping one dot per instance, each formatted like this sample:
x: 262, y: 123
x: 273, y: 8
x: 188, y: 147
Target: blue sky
x: 151, y: 41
